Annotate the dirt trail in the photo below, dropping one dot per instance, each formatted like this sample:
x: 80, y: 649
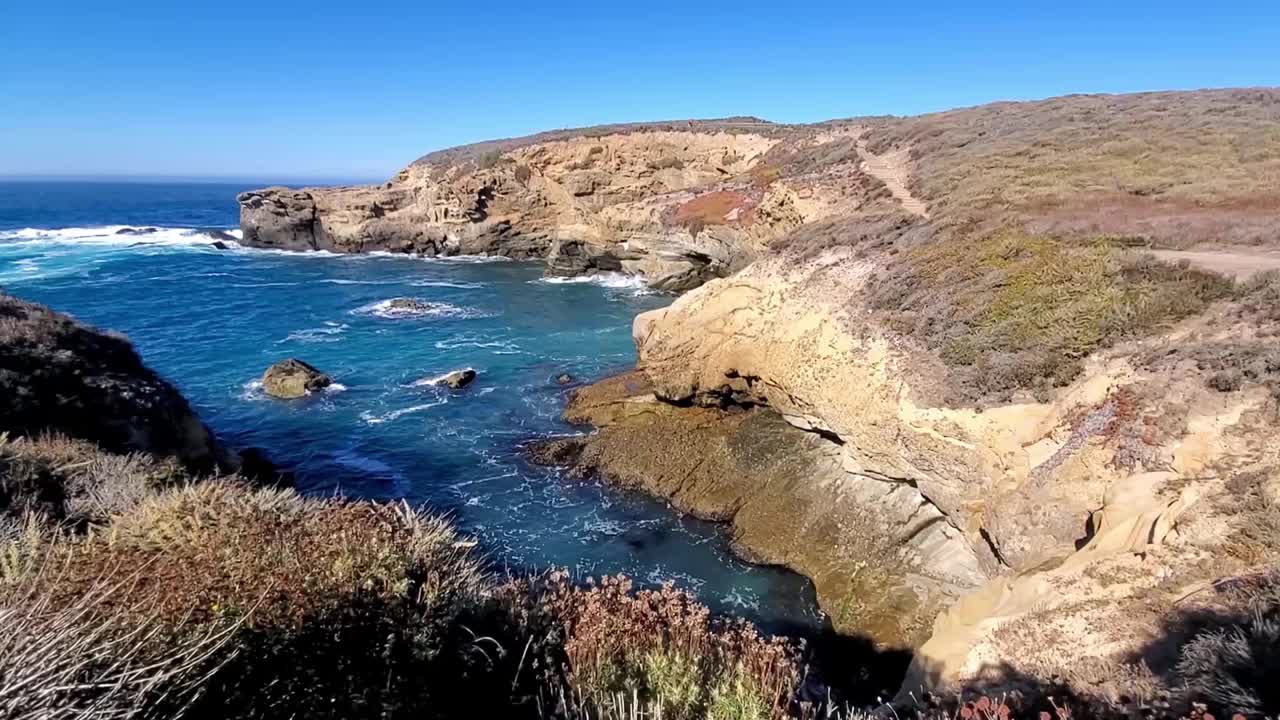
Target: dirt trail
x: 893, y: 169
x: 1238, y: 263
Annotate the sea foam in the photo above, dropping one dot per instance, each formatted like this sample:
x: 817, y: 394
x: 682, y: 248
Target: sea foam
x: 416, y: 308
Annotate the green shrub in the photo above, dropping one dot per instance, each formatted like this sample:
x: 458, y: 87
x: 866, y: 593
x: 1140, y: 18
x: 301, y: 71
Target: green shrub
x: 1015, y: 311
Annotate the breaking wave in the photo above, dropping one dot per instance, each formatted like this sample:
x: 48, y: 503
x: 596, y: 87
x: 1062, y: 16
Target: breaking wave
x: 402, y: 308
x: 614, y: 280
x: 123, y: 235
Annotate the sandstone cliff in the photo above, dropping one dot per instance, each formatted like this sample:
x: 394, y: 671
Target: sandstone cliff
x: 677, y: 203
x: 976, y: 411
x: 976, y: 373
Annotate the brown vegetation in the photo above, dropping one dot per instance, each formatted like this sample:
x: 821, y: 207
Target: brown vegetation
x: 1012, y: 311
x: 1209, y: 156
x: 711, y: 208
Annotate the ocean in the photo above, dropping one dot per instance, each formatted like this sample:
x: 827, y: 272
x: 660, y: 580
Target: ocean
x: 139, y: 258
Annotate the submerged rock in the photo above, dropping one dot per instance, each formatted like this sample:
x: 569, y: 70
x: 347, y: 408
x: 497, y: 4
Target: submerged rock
x: 219, y: 245
x: 135, y: 231
x: 219, y: 236
x: 564, y: 379
x: 457, y: 379
x: 293, y: 378
x: 554, y: 451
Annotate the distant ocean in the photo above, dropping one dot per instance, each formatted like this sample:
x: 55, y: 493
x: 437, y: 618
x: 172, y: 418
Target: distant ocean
x: 139, y: 258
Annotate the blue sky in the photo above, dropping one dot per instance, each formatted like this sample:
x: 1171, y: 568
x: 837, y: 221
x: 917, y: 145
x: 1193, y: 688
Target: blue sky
x: 358, y: 89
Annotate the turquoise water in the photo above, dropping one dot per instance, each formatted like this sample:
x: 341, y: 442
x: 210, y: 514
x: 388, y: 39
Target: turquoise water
x: 212, y: 320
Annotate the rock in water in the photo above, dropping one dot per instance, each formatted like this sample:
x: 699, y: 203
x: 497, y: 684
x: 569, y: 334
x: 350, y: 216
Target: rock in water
x: 564, y: 379
x: 293, y: 378
x: 219, y: 245
x: 409, y: 306
x: 458, y: 378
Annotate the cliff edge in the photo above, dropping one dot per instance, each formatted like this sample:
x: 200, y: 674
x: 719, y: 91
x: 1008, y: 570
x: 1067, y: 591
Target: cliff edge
x: 1009, y: 414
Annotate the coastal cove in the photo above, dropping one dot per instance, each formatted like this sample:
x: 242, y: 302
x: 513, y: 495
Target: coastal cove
x: 212, y: 320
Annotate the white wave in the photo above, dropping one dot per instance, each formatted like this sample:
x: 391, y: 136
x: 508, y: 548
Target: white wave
x: 113, y: 235
x: 373, y: 419
x: 423, y: 382
x: 343, y: 281
x: 415, y: 308
x: 252, y: 391
x: 330, y: 333
x: 472, y: 340
x: 737, y: 598
x: 607, y: 280
x: 468, y: 259
x: 447, y: 284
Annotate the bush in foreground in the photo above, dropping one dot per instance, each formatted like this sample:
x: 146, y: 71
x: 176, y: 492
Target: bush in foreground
x: 221, y: 599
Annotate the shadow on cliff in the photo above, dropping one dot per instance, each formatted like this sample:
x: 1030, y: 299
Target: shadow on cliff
x: 1219, y: 654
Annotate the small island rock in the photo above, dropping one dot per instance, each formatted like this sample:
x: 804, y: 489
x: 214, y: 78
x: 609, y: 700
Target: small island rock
x: 293, y: 378
x: 564, y: 379
x: 458, y: 378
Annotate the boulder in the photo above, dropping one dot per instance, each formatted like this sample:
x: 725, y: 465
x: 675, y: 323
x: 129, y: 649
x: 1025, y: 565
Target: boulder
x: 564, y: 379
x: 293, y: 378
x: 458, y: 378
x: 409, y: 306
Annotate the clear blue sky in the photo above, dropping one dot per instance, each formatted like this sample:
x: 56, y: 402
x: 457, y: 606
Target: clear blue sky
x: 358, y: 89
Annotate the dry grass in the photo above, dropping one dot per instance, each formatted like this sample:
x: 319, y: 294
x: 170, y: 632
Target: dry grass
x: 1155, y: 153
x: 223, y: 549
x: 1012, y: 311
x: 75, y: 482
x: 330, y: 608
x: 93, y: 657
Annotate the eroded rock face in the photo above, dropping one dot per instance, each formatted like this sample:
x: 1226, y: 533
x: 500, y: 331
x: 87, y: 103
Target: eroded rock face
x: 881, y: 556
x: 59, y: 376
x: 676, y: 206
x: 291, y: 379
x: 774, y: 401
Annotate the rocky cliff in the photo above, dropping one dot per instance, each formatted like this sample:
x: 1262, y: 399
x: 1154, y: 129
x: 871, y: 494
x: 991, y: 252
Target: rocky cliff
x: 677, y: 203
x: 1001, y: 380
x: 59, y: 376
x: 977, y: 411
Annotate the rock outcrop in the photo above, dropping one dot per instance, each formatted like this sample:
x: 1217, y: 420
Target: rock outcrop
x: 675, y: 203
x: 1015, y: 450
x: 926, y: 361
x: 291, y: 379
x: 59, y: 376
x: 762, y: 402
